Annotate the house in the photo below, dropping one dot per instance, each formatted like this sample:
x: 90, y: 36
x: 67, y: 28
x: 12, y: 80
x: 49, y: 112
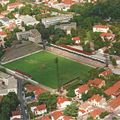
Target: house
x: 2, y: 35
x: 27, y: 20
x: 106, y: 73
x: 63, y: 18
x: 97, y: 100
x: 76, y: 40
x: 101, y: 28
x: 67, y: 27
x: 115, y: 104
x: 32, y: 35
x: 4, y: 2
x: 47, y: 117
x: 114, y: 90
x: 97, y: 82
x: 39, y: 110
x: 84, y: 109
x: 69, y: 2
x: 12, y: 6
x: 108, y: 36
x: 82, y: 89
x: 5, y: 21
x: 62, y: 102
x: 7, y: 84
x: 15, y: 115
x: 96, y: 113
x: 56, y: 115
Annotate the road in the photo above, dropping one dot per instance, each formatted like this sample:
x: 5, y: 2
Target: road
x: 25, y: 115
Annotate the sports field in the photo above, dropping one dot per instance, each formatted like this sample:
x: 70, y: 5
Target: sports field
x: 42, y: 67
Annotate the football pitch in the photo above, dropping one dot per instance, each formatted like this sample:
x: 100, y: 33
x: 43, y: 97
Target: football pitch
x: 43, y: 69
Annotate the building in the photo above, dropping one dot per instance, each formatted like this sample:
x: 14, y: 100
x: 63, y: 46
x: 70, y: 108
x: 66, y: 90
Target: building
x: 62, y: 102
x: 101, y: 28
x: 4, y: 2
x: 39, y: 110
x: 115, y: 104
x: 16, y: 115
x: 96, y: 113
x: 32, y: 35
x: 106, y: 73
x: 67, y: 27
x: 82, y: 89
x: 97, y: 100
x: 12, y: 6
x: 108, y: 36
x: 57, y: 19
x: 97, y: 82
x: 84, y: 109
x: 114, y: 90
x: 27, y: 20
x: 56, y: 115
x: 7, y: 84
x: 76, y: 40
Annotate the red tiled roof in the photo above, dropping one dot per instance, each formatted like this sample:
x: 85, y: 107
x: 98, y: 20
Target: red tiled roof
x: 44, y: 118
x: 67, y: 1
x: 82, y: 88
x: 13, y: 5
x: 67, y: 118
x: 101, y: 26
x: 106, y: 35
x: 56, y: 114
x: 96, y: 112
x: 82, y: 111
x: 115, y: 103
x: 16, y: 119
x: 61, y: 99
x: 95, y: 82
x: 15, y: 113
x: 95, y: 97
x: 40, y: 107
x: 31, y: 87
x: 75, y: 38
x: 113, y: 89
x: 2, y: 33
x: 107, y: 72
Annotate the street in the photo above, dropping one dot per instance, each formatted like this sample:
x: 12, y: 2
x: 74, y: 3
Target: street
x: 25, y: 114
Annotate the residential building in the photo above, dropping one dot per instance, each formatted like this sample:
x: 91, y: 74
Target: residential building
x: 96, y: 113
x: 108, y: 36
x: 27, y: 20
x: 97, y: 100
x: 82, y: 89
x: 115, y: 104
x: 84, y: 109
x: 39, y: 110
x: 114, y: 90
x: 16, y: 115
x: 57, y: 19
x: 56, y: 115
x: 67, y: 27
x: 4, y: 2
x: 62, y: 102
x: 76, y: 40
x: 32, y: 35
x: 12, y: 6
x: 101, y: 28
x: 97, y: 82
x: 106, y: 73
x: 7, y: 84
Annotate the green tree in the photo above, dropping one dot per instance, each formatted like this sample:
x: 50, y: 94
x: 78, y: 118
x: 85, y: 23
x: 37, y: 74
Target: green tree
x: 71, y: 110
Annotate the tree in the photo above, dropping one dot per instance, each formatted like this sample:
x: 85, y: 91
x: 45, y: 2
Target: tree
x: 103, y: 114
x: 113, y: 60
x: 71, y: 110
x: 12, y: 1
x: 49, y: 100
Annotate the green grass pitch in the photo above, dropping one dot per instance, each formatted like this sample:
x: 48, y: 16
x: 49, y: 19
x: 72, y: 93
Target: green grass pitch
x: 42, y: 67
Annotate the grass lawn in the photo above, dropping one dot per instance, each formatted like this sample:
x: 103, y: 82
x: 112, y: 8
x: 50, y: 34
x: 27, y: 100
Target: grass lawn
x: 42, y: 67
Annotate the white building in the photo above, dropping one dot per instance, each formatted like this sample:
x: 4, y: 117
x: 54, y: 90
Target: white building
x: 82, y: 89
x: 39, y: 110
x: 16, y: 115
x: 101, y: 28
x: 7, y: 84
x: 62, y: 102
x: 28, y: 20
x: 57, y: 19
